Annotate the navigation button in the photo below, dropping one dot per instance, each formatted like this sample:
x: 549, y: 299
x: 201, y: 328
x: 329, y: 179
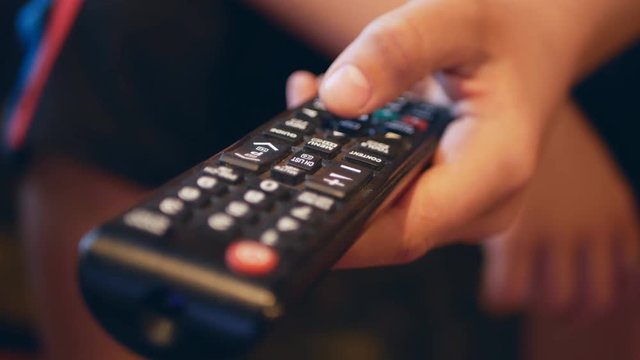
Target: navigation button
x: 400, y: 128
x: 350, y: 127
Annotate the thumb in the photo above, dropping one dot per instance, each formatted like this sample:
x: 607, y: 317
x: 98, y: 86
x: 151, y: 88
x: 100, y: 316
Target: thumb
x: 398, y: 49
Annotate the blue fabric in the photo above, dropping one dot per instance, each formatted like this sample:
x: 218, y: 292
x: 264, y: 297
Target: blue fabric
x: 29, y: 28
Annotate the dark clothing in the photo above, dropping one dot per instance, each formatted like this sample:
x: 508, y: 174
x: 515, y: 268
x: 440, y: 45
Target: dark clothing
x: 610, y: 97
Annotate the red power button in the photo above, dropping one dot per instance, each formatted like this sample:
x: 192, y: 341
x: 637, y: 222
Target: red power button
x: 251, y: 258
x: 420, y: 124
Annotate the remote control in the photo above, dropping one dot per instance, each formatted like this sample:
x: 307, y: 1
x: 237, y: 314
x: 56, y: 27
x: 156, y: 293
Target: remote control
x: 200, y: 268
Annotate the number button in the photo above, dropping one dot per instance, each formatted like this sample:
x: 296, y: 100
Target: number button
x: 189, y: 193
x: 256, y: 198
x: 171, y: 206
x: 240, y: 210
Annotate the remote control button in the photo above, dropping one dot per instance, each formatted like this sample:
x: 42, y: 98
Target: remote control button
x: 272, y: 187
x: 398, y: 104
x: 287, y: 224
x: 372, y: 161
x: 308, y: 113
x: 314, y: 114
x: 419, y: 124
x: 399, y: 128
x: 384, y: 115
x: 392, y: 136
x: 305, y: 213
x: 302, y: 212
x: 318, y: 104
x: 206, y: 182
x: 248, y: 257
x: 171, y: 206
x: 350, y: 127
x: 189, y: 193
x: 225, y: 173
x: 221, y: 222
x: 148, y: 221
x: 338, y: 180
x: 423, y: 111
x: 285, y: 134
x: 287, y: 174
x: 256, y: 198
x: 300, y: 125
x: 306, y: 161
x: 318, y: 201
x: 337, y: 136
x: 324, y: 147
x: 257, y: 154
x: 270, y: 237
x: 386, y: 149
x: 365, y: 118
x: 210, y: 184
x: 240, y: 210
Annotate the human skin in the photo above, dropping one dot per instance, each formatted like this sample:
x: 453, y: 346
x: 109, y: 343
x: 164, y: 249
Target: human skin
x: 570, y: 257
x: 508, y: 66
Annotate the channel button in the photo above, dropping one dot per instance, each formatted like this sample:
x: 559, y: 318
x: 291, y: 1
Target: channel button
x: 338, y: 180
x: 257, y: 154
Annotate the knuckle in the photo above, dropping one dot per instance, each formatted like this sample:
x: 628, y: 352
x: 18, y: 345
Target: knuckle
x: 517, y: 170
x: 411, y: 249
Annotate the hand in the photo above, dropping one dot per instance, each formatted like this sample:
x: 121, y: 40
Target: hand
x: 508, y: 66
x: 576, y: 235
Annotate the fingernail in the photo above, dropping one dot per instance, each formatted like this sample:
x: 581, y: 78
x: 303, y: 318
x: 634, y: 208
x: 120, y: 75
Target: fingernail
x: 346, y: 88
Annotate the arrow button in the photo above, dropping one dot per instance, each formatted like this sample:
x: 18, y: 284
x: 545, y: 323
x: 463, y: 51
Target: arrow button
x: 257, y: 154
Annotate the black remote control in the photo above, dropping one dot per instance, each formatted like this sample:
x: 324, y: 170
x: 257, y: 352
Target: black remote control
x: 201, y: 267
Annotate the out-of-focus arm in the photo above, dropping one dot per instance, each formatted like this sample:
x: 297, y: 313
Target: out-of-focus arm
x: 329, y: 25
